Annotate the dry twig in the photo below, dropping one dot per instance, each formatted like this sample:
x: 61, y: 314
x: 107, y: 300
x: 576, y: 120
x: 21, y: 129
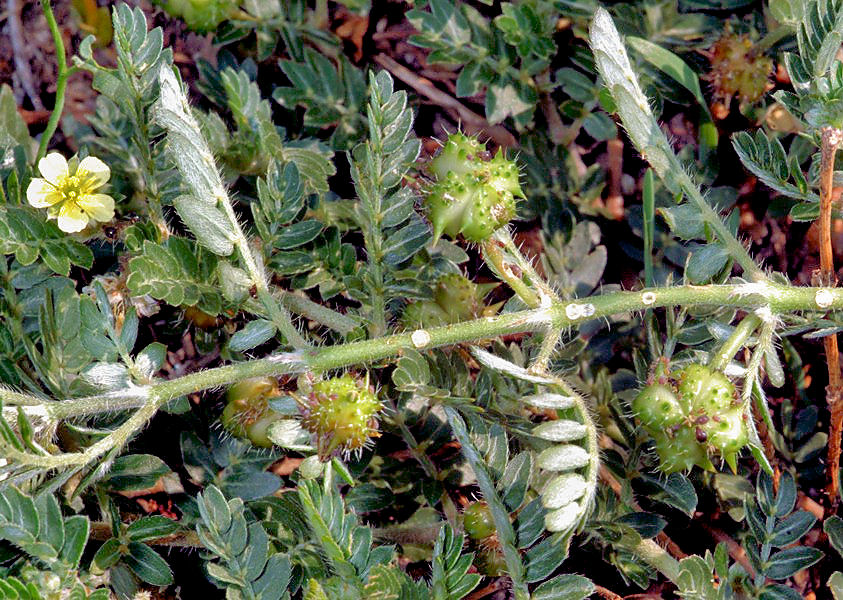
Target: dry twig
x: 500, y: 135
x: 18, y: 45
x: 605, y: 593
x: 735, y: 550
x: 831, y: 140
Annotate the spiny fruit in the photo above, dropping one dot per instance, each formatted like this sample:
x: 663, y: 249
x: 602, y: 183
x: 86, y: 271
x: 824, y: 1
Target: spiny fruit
x: 247, y: 414
x: 455, y: 299
x: 341, y: 413
x: 738, y: 70
x: 474, y: 193
x: 692, y: 417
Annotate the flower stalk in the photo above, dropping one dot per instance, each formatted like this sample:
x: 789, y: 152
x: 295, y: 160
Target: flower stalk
x: 62, y: 76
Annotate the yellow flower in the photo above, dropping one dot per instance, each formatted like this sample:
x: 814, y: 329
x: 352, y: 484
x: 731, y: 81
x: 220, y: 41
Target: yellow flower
x: 71, y: 198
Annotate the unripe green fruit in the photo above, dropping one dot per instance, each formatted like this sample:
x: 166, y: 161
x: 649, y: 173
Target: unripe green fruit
x: 455, y: 299
x: 728, y: 432
x: 418, y: 315
x: 712, y: 390
x: 478, y: 522
x: 341, y: 413
x: 247, y: 414
x: 680, y: 451
x: 474, y: 194
x: 695, y: 417
x: 490, y: 561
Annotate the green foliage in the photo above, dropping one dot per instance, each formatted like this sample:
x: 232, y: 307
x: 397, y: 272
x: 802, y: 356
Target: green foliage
x: 236, y: 468
x: 26, y: 235
x: 248, y: 149
x: 129, y: 548
x: 123, y: 132
x: 279, y: 197
x: 38, y: 531
x: 451, y: 579
x: 241, y: 562
x: 392, y: 231
x: 178, y: 273
x: 290, y: 23
x: 504, y: 58
x: 774, y: 524
x: 766, y: 158
x: 14, y: 133
x: 198, y: 15
x: 331, y: 96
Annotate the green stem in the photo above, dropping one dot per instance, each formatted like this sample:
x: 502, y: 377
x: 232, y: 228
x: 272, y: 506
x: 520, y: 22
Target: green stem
x: 771, y: 38
x: 413, y: 445
x: 735, y: 342
x: 61, y: 80
x: 525, y: 265
x: 779, y: 299
x: 280, y: 316
x: 305, y: 307
x: 496, y: 260
x: 633, y: 107
x: 549, y: 343
x: 712, y: 218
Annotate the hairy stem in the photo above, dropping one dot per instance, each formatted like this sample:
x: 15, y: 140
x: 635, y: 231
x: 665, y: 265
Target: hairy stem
x: 61, y: 80
x: 525, y: 265
x: 735, y: 342
x: 494, y: 256
x: 779, y: 298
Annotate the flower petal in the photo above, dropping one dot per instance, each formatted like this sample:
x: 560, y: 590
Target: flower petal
x: 41, y: 193
x: 72, y: 218
x: 53, y: 167
x: 99, y: 207
x: 94, y: 170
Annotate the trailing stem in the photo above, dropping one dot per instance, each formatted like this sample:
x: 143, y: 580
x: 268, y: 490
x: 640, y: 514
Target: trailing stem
x: 831, y: 140
x: 558, y: 315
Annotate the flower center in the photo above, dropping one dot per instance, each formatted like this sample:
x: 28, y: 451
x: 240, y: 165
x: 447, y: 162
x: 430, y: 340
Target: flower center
x: 70, y: 188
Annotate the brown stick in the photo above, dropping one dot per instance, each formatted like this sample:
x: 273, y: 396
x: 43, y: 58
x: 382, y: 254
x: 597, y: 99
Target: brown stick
x: 672, y: 547
x: 831, y: 140
x: 499, y: 134
x: 187, y: 539
x: 19, y: 52
x: 614, y: 201
x: 605, y: 593
x: 735, y: 550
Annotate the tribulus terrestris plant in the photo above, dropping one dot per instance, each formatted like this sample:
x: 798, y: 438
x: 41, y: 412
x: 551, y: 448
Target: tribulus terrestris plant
x: 365, y: 339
